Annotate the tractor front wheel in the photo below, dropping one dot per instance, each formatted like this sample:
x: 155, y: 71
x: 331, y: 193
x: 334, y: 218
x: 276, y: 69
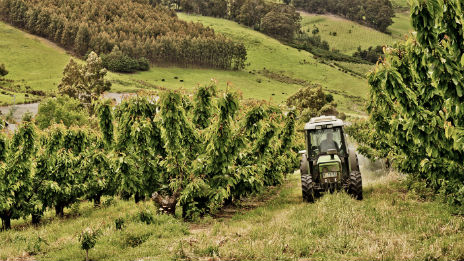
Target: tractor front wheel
x: 355, y: 185
x: 307, y: 186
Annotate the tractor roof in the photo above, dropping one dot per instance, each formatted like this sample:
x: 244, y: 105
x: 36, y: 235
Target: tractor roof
x: 323, y: 122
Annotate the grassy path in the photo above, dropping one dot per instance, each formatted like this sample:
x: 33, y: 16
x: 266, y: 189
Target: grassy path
x: 390, y: 224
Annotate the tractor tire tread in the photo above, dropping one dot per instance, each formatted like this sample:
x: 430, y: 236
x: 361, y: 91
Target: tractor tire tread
x: 307, y: 186
x: 355, y: 185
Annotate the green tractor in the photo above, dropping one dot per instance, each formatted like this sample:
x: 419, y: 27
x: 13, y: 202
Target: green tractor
x: 327, y: 164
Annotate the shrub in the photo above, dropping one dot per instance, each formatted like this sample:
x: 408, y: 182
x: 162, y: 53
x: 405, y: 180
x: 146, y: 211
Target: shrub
x: 119, y: 223
x: 3, y: 70
x: 61, y: 109
x: 134, y: 236
x: 372, y: 54
x: 116, y: 61
x: 88, y: 239
x: 146, y: 216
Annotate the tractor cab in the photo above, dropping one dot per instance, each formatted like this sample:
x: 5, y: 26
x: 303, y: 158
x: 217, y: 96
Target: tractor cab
x: 327, y: 164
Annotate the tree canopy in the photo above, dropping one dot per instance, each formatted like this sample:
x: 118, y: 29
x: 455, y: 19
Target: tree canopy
x: 136, y: 27
x: 84, y: 82
x: 416, y: 101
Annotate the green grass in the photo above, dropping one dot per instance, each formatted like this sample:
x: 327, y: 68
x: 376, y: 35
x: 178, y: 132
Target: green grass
x: 400, y: 5
x: 349, y: 36
x: 39, y: 64
x: 362, y: 69
x: 389, y: 224
x: 31, y: 60
x: 402, y: 25
x: 266, y: 52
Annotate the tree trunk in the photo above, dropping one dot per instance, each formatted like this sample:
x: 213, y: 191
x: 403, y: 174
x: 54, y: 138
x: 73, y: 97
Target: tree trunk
x: 59, y: 210
x: 6, y: 220
x: 166, y: 203
x: 138, y: 197
x: 125, y: 195
x: 86, y: 255
x: 97, y: 201
x: 36, y: 217
x: 228, y: 201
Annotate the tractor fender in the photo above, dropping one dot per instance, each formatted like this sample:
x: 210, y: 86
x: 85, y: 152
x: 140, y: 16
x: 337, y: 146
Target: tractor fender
x: 304, y: 165
x: 353, y: 158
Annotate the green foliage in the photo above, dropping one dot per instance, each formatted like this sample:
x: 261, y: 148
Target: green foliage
x: 281, y: 22
x: 97, y: 170
x: 105, y: 116
x: 135, y: 238
x: 155, y: 150
x: 251, y: 13
x: 62, y: 109
x: 119, y: 223
x: 3, y: 70
x: 371, y: 54
x: 61, y: 181
x: 16, y: 186
x: 138, y: 147
x: 88, y: 239
x: 146, y: 216
x: 203, y: 106
x: 253, y: 123
x: 311, y: 102
x: 84, y: 82
x: 35, y: 247
x: 310, y: 43
x: 277, y: 20
x: 416, y: 102
x: 370, y: 142
x: 117, y: 61
x: 321, y: 49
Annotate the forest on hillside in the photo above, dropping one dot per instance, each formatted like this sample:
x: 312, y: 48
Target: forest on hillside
x: 377, y: 14
x: 136, y: 29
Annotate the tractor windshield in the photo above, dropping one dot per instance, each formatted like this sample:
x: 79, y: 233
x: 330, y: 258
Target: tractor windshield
x: 322, y: 140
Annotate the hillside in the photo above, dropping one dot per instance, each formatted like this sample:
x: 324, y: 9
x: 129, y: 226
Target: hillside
x: 349, y: 35
x: 286, y: 63
x: 140, y: 32
x: 285, y: 68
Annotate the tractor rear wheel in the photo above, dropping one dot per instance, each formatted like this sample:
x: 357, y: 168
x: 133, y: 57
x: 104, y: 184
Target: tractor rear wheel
x: 355, y: 185
x: 307, y: 186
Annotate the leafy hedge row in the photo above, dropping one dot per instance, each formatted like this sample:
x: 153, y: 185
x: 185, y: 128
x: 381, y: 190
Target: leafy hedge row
x: 198, y: 154
x: 417, y: 101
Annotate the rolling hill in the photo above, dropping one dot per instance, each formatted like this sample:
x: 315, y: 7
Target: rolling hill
x: 39, y: 63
